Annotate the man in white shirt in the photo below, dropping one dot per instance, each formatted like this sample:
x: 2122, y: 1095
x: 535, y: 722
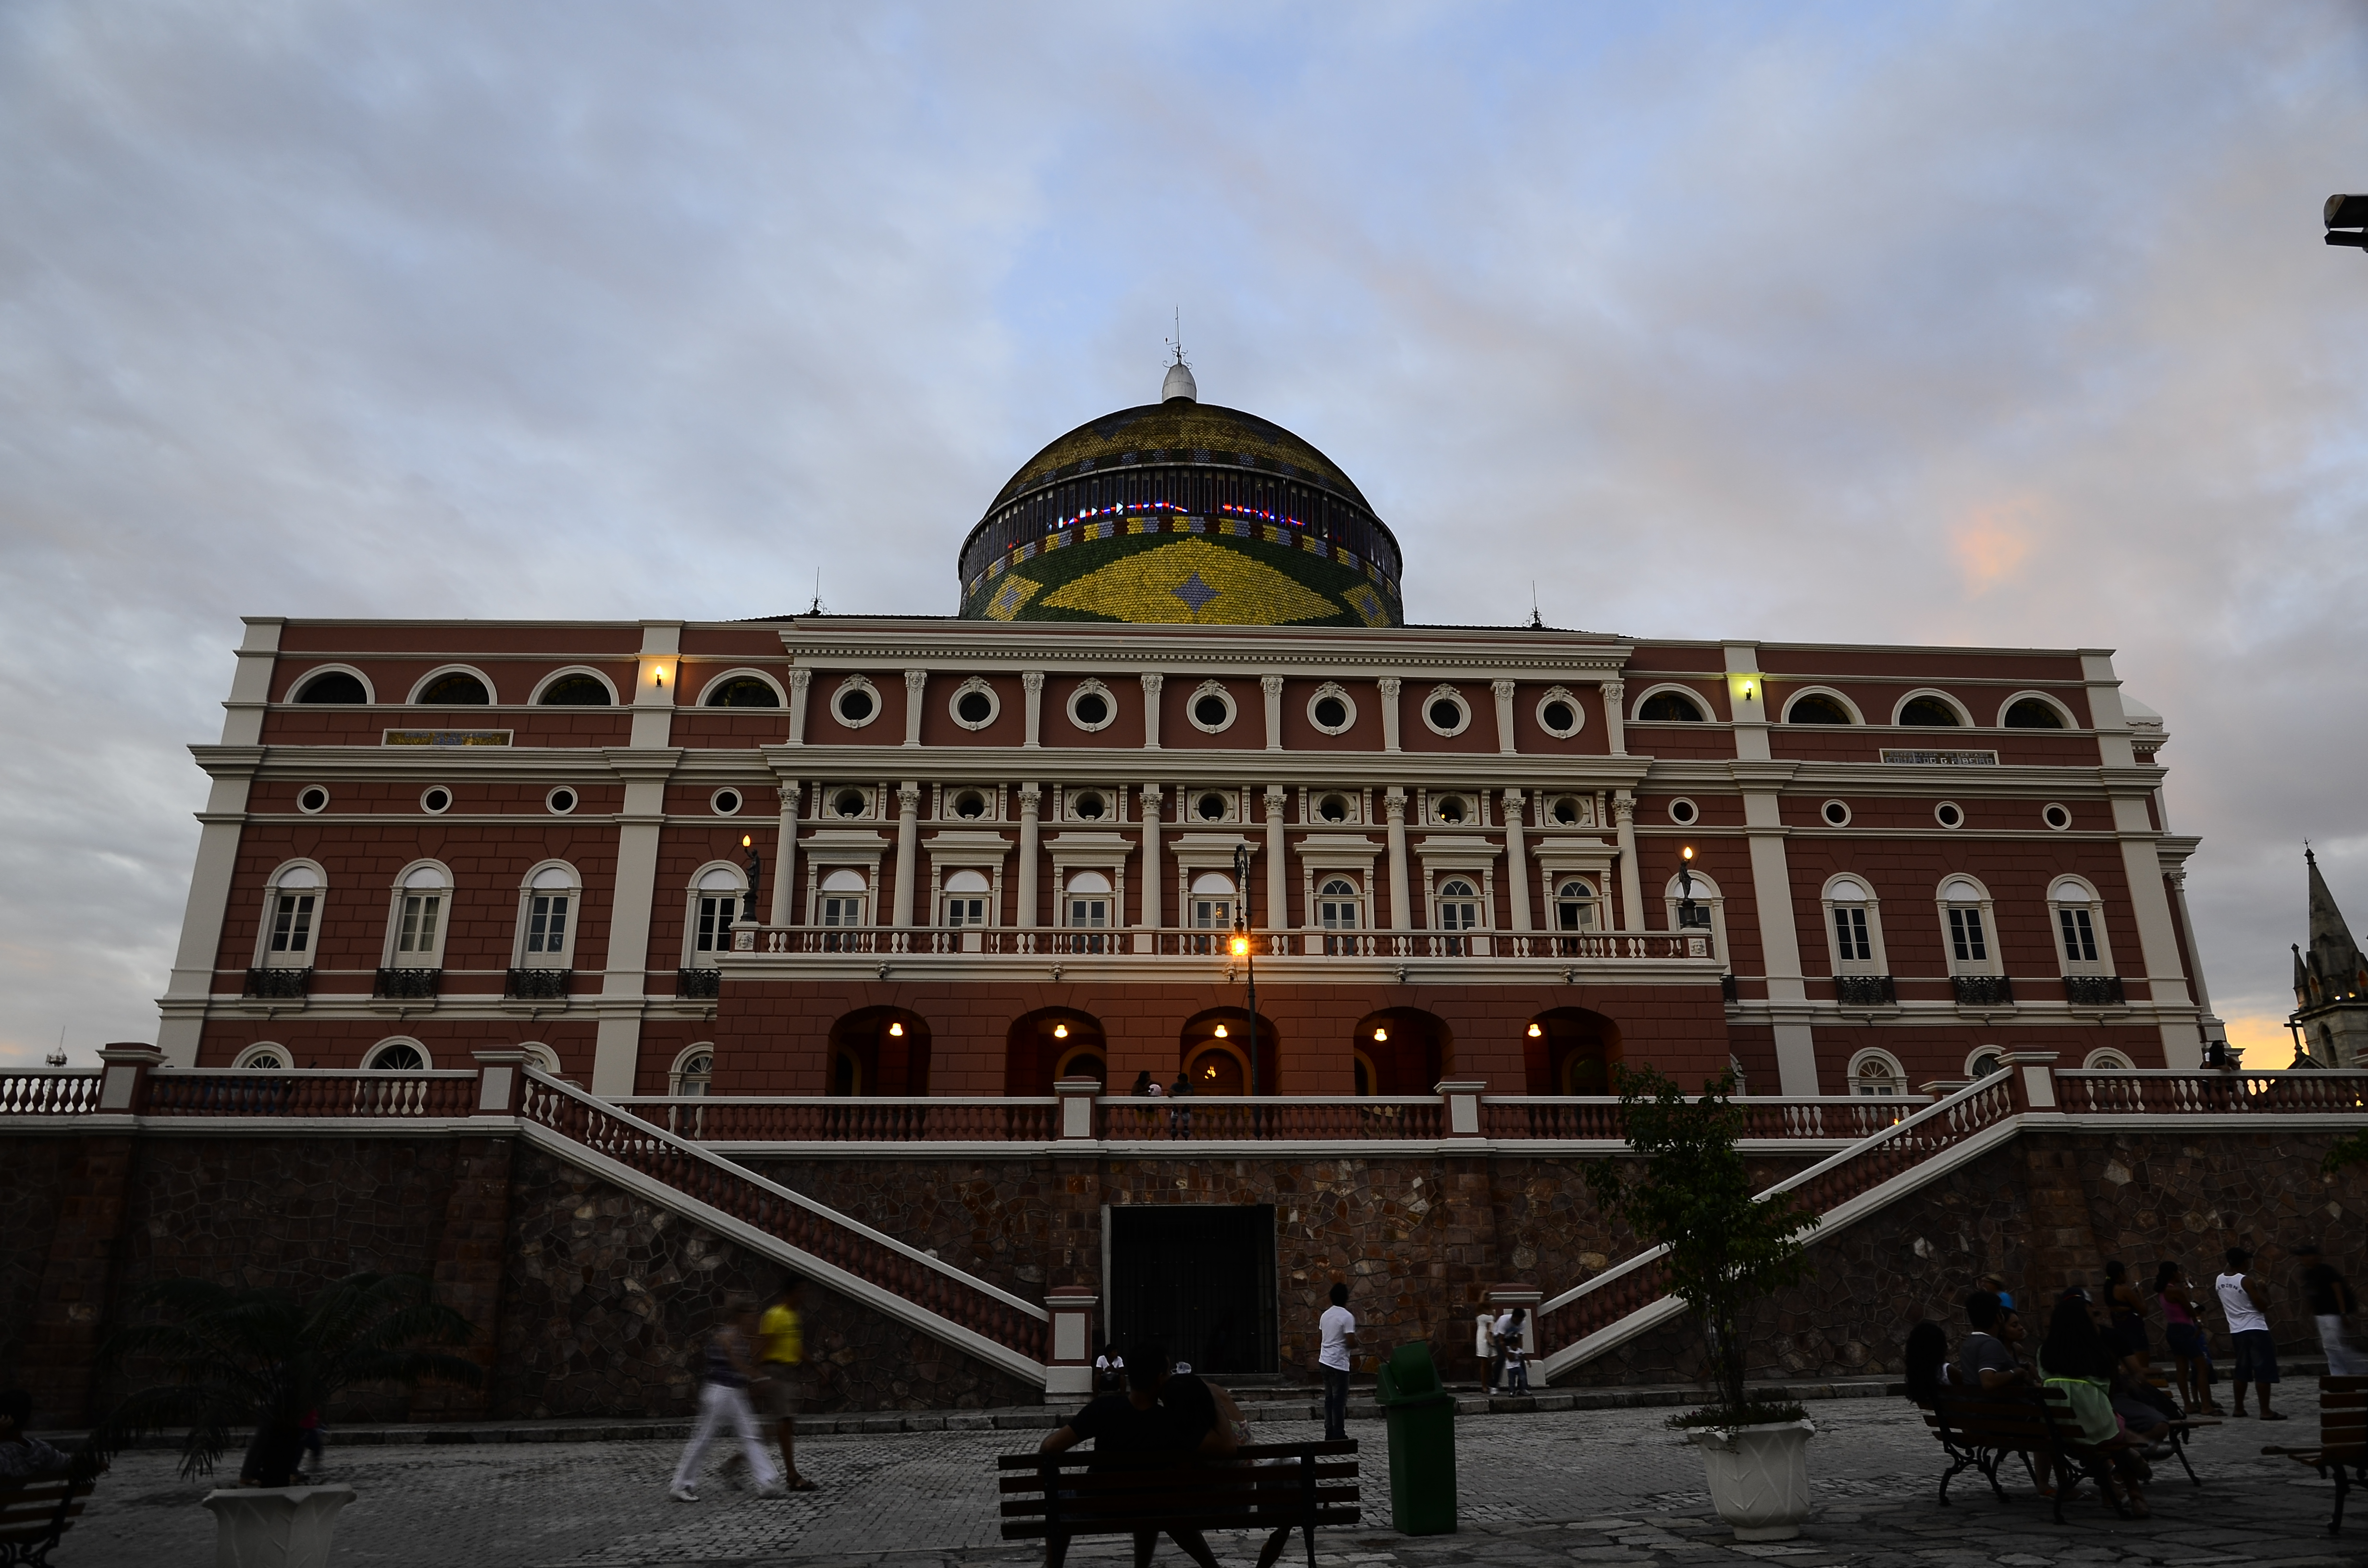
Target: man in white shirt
x: 1337, y: 1330
x: 2249, y: 1331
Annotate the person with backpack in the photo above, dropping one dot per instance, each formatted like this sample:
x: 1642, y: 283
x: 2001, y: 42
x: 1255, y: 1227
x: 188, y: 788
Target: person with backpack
x: 728, y: 1367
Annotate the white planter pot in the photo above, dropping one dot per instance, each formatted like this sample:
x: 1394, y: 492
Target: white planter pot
x: 274, y: 1526
x: 1759, y: 1477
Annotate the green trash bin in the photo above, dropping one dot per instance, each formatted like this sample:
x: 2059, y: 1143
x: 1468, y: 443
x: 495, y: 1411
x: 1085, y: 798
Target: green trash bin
x: 1421, y: 1418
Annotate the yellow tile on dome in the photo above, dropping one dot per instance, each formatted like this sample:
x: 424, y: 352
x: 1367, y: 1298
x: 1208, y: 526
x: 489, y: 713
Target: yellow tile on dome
x: 1193, y: 581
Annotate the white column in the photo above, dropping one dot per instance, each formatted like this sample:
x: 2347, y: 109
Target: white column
x: 1632, y: 886
x: 799, y: 681
x: 1389, y: 685
x: 916, y: 683
x: 1517, y: 853
x: 1277, y: 885
x: 1151, y: 857
x: 1780, y: 940
x: 2182, y: 1042
x: 617, y: 1047
x: 1030, y: 834
x: 653, y: 692
x: 909, y: 845
x: 1272, y: 685
x: 1395, y: 802
x: 250, y: 684
x: 785, y: 852
x: 1747, y: 698
x: 1503, y: 693
x: 1032, y: 682
x: 1151, y: 685
x: 1615, y: 697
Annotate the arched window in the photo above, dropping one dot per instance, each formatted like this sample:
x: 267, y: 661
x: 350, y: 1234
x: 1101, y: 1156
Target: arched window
x: 292, y: 917
x: 1930, y: 711
x: 1575, y: 908
x: 1817, y: 708
x: 1087, y: 905
x: 1211, y: 906
x: 577, y: 688
x: 454, y: 688
x: 742, y: 691
x: 2034, y: 713
x: 717, y: 895
x: 1670, y: 706
x: 264, y: 1056
x: 842, y: 898
x: 1854, y: 928
x: 2105, y: 1061
x: 1984, y: 1061
x: 332, y: 685
x: 1459, y: 910
x: 2077, y: 915
x: 541, y: 1058
x: 546, y: 935
x: 398, y: 1056
x: 967, y: 898
x: 1341, y: 910
x: 693, y: 1071
x: 416, y: 926
x: 1876, y: 1072
x: 1965, y: 928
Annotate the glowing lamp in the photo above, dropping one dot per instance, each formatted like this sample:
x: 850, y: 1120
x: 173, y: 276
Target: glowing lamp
x: 1221, y: 1031
x: 747, y: 840
x: 1690, y: 851
x: 1059, y: 1031
x: 1210, y: 1071
x: 1535, y: 1031
x: 1380, y: 1034
x: 1241, y: 947
x: 896, y: 1029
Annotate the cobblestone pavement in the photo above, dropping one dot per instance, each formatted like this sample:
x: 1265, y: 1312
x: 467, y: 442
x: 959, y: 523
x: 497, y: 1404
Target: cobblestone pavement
x: 1590, y: 1487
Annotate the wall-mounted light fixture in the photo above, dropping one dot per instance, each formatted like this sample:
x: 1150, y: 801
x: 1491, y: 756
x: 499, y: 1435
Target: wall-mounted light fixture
x: 1221, y: 1031
x: 897, y: 1029
x: 1536, y: 1031
x: 1381, y: 1035
x: 1059, y: 1031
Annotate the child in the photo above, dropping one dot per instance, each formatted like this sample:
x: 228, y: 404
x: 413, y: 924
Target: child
x: 1508, y: 1343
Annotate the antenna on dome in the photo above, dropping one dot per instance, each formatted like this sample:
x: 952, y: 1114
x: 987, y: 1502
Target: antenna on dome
x: 1179, y: 385
x: 818, y: 595
x: 1537, y: 621
x: 1176, y: 342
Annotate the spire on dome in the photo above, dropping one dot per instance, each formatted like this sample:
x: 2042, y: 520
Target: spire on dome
x: 1178, y: 382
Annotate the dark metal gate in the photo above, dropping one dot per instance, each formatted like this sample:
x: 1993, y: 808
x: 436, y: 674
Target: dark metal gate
x: 1199, y: 1279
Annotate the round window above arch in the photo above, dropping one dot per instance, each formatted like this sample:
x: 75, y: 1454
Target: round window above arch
x: 1684, y: 813
x: 1332, y: 710
x: 313, y: 800
x: 726, y: 802
x: 1211, y: 805
x: 264, y: 1056
x: 560, y: 801
x: 1846, y: 889
x: 398, y: 1056
x: 855, y: 702
x: 1091, y: 706
x: 1560, y: 714
x: 2057, y: 816
x: 1334, y: 808
x: 1571, y: 810
x: 1212, y: 884
x: 1949, y: 814
x: 970, y: 805
x: 1453, y: 810
x: 1445, y: 712
x: 974, y: 704
x: 1212, y: 708
x: 1089, y: 882
x: 1962, y: 890
x: 1089, y: 805
x: 850, y: 802
x: 844, y: 880
x: 435, y: 799
x: 1836, y: 813
x: 967, y: 880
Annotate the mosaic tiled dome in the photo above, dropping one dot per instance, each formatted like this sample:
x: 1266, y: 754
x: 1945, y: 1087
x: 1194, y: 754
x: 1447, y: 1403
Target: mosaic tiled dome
x: 1182, y: 512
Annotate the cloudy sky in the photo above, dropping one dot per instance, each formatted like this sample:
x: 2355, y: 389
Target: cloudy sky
x: 1997, y: 323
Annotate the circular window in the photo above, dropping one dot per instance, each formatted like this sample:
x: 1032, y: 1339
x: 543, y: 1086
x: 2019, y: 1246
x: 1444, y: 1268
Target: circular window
x: 1682, y: 811
x: 437, y: 800
x: 1091, y: 707
x: 1333, y: 808
x: 561, y: 800
x: 848, y: 804
x: 1212, y: 708
x: 311, y: 800
x: 1445, y: 712
x: 1331, y: 709
x: 1560, y: 715
x: 1567, y: 811
x: 857, y: 704
x: 974, y: 706
x: 1450, y: 808
x: 1089, y: 804
x: 1948, y: 815
x: 2056, y: 816
x: 1836, y: 812
x: 970, y: 805
x: 1209, y: 807
x: 726, y: 802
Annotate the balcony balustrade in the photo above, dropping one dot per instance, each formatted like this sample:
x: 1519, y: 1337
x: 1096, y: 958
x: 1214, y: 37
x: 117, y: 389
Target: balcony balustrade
x: 702, y: 983
x: 1983, y: 990
x: 279, y: 984
x: 407, y: 984
x: 1866, y: 991
x: 1188, y: 942
x: 2094, y: 990
x: 537, y: 985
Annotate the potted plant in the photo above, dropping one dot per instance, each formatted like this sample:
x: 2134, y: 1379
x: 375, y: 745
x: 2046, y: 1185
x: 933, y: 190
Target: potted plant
x: 236, y: 1357
x: 1689, y: 1191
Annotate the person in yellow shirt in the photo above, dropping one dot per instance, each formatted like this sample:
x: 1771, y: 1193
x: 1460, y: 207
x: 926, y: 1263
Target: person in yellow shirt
x: 781, y: 1355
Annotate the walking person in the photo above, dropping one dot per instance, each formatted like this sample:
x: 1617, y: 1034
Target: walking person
x: 723, y: 1397
x: 781, y: 1342
x: 1337, y: 1334
x: 2246, y: 1305
x: 2190, y: 1351
x: 2331, y: 1300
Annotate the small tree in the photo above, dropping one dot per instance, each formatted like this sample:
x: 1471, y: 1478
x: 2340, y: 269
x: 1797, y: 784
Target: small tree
x: 238, y: 1358
x: 1691, y: 1193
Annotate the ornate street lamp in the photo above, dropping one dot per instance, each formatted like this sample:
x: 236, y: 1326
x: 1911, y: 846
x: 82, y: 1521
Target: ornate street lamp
x: 1242, y: 946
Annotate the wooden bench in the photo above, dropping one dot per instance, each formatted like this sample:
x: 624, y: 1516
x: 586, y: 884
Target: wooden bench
x: 2181, y: 1428
x: 1979, y: 1431
x: 1278, y: 1487
x: 34, y: 1513
x: 2343, y: 1438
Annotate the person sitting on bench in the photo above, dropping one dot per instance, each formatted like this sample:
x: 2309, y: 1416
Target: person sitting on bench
x: 23, y: 1458
x: 1135, y: 1427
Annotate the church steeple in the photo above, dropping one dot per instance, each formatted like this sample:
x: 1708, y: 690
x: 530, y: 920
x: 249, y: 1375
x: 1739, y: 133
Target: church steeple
x: 2331, y: 982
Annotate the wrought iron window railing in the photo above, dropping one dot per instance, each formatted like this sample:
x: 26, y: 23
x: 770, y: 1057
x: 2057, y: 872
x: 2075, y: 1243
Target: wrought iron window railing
x: 537, y: 984
x: 407, y: 984
x: 706, y: 983
x: 1865, y: 990
x: 280, y: 985
x: 2094, y: 990
x: 1983, y: 990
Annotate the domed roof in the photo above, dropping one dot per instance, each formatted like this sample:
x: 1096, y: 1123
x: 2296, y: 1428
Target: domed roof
x: 1283, y: 536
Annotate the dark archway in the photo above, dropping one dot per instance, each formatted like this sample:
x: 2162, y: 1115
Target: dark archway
x: 1402, y: 1050
x: 1570, y: 1050
x: 1213, y: 1051
x: 879, y: 1050
x: 1052, y: 1043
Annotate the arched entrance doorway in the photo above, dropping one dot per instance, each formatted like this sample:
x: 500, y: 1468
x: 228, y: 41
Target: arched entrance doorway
x: 1402, y: 1050
x: 1053, y: 1043
x: 1214, y: 1052
x: 879, y: 1050
x: 1571, y: 1050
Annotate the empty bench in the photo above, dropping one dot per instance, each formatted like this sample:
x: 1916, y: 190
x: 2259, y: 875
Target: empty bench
x: 1276, y: 1487
x: 34, y: 1515
x: 2342, y: 1439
